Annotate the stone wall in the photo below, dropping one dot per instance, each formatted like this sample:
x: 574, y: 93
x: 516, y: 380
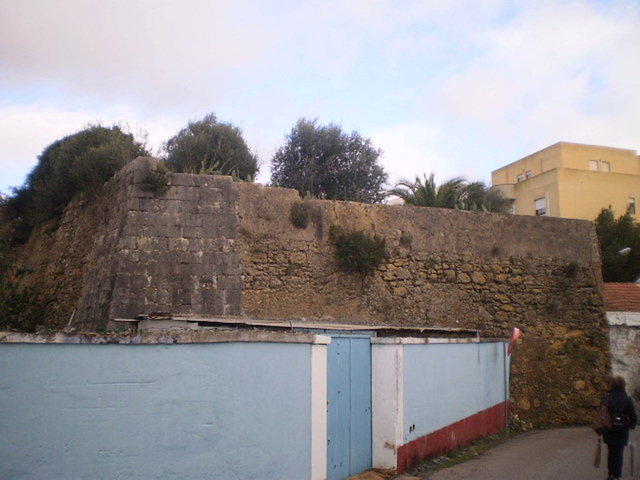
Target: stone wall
x: 212, y: 247
x: 446, y: 268
x: 58, y: 254
x: 170, y: 253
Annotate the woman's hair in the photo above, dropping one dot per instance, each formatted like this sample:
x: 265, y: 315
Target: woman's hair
x: 618, y: 383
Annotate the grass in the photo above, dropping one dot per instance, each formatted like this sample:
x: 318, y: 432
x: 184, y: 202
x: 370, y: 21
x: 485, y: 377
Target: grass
x: 462, y: 454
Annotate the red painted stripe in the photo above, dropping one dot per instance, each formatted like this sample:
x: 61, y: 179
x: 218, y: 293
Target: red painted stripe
x: 446, y: 439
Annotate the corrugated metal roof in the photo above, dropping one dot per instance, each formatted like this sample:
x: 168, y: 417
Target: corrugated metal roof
x: 156, y: 321
x: 622, y: 297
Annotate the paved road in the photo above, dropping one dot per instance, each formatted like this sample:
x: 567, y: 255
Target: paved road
x: 558, y: 454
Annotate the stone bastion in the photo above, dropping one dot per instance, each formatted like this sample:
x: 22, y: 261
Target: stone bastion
x: 210, y: 247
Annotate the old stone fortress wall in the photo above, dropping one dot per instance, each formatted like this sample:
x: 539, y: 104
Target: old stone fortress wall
x: 211, y: 247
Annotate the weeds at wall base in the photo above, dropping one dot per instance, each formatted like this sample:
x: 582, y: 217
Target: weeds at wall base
x: 462, y: 454
x: 475, y: 448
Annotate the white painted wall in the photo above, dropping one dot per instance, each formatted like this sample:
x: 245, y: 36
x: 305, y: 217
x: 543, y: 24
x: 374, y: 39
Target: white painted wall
x: 387, y: 400
x: 624, y: 338
x: 419, y: 388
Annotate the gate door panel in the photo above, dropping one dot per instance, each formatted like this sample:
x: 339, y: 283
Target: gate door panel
x: 349, y: 407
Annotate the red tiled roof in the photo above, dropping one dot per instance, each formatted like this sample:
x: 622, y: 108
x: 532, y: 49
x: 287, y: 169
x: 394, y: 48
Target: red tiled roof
x: 622, y: 297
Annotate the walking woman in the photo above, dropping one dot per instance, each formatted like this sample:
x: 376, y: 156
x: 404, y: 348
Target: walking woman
x: 624, y: 418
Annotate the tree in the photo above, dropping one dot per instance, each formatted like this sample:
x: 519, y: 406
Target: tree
x: 454, y: 193
x: 77, y: 164
x: 479, y: 196
x: 209, y: 146
x: 615, y: 236
x: 426, y: 193
x: 326, y: 162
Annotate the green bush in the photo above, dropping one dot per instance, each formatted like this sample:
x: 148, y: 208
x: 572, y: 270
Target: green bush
x: 406, y: 239
x: 358, y: 252
x: 571, y: 269
x: 211, y: 147
x: 75, y: 165
x: 300, y: 212
x: 156, y: 181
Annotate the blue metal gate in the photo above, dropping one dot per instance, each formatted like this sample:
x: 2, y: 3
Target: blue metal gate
x: 349, y: 407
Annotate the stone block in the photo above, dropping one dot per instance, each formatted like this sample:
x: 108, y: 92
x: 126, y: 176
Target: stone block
x: 478, y: 278
x: 229, y: 283
x: 127, y: 243
x: 463, y: 278
x: 182, y: 180
x: 196, y: 244
x: 191, y: 220
x: 193, y: 232
x: 178, y: 244
x: 165, y: 219
x: 133, y: 203
x: 161, y: 269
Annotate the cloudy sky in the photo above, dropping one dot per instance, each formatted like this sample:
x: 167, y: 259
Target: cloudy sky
x: 454, y: 87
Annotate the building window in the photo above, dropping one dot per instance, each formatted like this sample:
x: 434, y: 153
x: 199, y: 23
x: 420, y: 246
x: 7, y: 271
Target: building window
x: 529, y: 174
x: 520, y: 177
x: 605, y: 166
x: 593, y: 165
x: 540, y: 205
x: 632, y: 205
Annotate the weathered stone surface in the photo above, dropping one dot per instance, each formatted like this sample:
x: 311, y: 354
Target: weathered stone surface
x: 451, y: 275
x: 210, y: 246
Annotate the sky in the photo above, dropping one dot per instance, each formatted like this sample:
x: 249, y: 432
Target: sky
x: 450, y: 87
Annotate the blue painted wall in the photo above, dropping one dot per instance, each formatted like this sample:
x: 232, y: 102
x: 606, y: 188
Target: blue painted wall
x: 444, y: 383
x: 215, y: 411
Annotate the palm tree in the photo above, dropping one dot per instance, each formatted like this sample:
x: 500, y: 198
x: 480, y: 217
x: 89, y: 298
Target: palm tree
x: 426, y: 193
x: 479, y: 196
x: 455, y: 193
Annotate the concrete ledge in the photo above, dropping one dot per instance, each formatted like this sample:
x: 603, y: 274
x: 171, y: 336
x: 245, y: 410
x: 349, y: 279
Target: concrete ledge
x: 627, y: 319
x: 421, y: 341
x: 167, y: 338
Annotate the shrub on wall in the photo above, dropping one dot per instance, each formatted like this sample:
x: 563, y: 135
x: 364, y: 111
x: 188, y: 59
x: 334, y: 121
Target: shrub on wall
x: 358, y: 252
x: 300, y: 214
x: 571, y: 269
x: 156, y: 181
x: 20, y: 308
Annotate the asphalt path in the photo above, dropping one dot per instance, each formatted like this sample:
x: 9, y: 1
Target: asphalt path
x: 556, y: 454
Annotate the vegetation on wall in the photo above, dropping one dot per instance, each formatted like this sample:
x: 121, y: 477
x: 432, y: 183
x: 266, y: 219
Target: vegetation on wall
x: 619, y: 246
x: 19, y: 307
x: 327, y: 163
x: 300, y: 213
x: 208, y: 146
x: 78, y: 164
x: 358, y: 252
x: 571, y: 269
x: 156, y: 181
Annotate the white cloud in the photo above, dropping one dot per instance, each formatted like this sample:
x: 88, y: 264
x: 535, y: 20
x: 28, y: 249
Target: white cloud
x: 411, y: 150
x: 24, y: 132
x: 554, y: 68
x: 458, y: 87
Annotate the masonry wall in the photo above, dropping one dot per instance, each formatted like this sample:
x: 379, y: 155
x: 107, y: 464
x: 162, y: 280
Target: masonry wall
x: 212, y: 247
x: 169, y: 253
x: 446, y: 268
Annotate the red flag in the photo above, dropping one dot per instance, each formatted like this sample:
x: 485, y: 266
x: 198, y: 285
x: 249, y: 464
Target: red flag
x: 515, y: 334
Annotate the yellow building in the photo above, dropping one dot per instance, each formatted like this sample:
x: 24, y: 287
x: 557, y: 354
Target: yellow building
x: 571, y: 180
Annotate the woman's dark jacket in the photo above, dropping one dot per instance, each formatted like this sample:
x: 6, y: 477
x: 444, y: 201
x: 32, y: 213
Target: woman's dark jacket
x: 619, y: 402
